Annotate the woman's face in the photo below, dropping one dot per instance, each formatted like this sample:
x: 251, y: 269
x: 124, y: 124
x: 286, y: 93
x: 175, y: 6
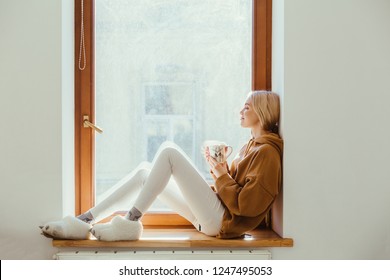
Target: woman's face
x: 248, y: 116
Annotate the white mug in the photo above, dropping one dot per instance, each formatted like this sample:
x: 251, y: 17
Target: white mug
x: 218, y: 150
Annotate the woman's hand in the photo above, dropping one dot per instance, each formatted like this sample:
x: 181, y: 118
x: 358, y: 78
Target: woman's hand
x: 217, y: 168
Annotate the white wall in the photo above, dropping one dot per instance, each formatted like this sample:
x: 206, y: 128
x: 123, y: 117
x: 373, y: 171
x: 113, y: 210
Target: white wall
x: 332, y: 70
x: 30, y: 125
x: 336, y: 95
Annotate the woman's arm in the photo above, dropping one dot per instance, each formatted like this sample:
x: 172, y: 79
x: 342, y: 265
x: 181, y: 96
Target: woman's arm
x: 261, y: 185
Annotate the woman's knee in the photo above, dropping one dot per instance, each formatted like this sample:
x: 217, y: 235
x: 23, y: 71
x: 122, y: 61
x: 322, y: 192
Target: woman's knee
x: 169, y: 148
x: 168, y: 145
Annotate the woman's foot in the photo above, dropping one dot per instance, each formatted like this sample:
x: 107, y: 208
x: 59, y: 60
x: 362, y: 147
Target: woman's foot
x: 67, y: 228
x: 118, y: 229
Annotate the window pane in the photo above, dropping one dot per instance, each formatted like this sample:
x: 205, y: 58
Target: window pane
x: 165, y: 99
x: 168, y: 70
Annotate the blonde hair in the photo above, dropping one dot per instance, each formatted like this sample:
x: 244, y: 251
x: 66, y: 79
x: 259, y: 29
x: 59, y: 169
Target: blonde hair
x: 267, y: 107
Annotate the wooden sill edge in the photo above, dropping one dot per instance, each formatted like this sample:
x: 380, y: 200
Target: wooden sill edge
x: 169, y: 230
x: 160, y: 238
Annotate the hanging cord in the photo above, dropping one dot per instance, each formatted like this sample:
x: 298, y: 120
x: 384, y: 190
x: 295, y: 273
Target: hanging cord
x: 82, y: 42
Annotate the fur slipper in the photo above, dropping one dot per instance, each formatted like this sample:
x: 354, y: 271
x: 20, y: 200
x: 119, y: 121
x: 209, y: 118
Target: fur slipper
x: 67, y: 228
x: 118, y: 229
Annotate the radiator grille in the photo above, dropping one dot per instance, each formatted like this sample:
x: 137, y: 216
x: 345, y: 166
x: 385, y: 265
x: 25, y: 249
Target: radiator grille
x: 165, y: 255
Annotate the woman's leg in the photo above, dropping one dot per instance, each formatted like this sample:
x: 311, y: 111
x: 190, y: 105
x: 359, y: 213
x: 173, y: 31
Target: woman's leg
x: 195, y: 192
x: 171, y: 196
x: 203, y: 203
x: 201, y: 199
x: 118, y: 198
x: 121, y: 195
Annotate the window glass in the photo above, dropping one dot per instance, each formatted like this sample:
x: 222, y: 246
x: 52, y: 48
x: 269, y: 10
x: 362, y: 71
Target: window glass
x: 175, y: 70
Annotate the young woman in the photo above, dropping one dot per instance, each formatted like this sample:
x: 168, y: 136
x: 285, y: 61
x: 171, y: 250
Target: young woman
x: 239, y: 201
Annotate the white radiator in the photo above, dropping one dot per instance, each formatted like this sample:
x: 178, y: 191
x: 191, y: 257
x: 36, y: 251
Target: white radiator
x: 165, y: 255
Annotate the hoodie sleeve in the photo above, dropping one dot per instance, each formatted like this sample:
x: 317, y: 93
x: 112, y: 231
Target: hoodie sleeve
x: 260, y: 188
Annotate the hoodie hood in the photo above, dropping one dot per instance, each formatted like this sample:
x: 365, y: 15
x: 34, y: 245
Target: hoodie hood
x: 272, y: 139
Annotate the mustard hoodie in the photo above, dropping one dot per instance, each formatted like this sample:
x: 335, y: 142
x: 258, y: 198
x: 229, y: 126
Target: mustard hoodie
x: 251, y: 185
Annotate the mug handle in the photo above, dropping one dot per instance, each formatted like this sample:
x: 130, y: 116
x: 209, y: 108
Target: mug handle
x: 227, y: 148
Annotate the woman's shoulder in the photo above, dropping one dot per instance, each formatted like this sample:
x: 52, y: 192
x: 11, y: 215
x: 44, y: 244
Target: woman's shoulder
x: 265, y: 150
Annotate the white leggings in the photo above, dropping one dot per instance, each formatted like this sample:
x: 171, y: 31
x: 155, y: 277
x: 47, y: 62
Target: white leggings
x: 176, y: 182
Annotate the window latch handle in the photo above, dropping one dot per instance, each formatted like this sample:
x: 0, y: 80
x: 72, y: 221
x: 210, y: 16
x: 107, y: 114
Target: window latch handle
x: 87, y: 123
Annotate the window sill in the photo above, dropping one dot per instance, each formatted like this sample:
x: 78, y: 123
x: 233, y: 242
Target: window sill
x: 183, y: 238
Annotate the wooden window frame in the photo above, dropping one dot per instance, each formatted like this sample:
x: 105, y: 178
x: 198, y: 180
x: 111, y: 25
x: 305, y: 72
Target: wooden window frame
x: 85, y: 88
